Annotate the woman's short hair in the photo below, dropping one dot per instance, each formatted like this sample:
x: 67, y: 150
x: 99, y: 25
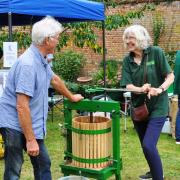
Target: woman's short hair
x: 47, y: 27
x: 143, y: 39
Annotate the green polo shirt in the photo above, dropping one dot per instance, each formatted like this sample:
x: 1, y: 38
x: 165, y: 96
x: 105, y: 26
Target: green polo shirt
x: 177, y: 74
x: 157, y: 69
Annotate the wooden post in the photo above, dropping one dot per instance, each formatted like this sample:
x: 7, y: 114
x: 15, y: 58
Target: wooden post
x: 173, y: 113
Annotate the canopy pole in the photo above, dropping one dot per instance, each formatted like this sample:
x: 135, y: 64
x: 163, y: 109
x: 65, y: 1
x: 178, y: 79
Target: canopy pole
x: 10, y: 25
x: 104, y: 60
x: 104, y: 52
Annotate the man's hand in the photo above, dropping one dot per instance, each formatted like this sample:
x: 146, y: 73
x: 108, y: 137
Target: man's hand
x: 59, y: 85
x: 32, y: 147
x: 76, y: 98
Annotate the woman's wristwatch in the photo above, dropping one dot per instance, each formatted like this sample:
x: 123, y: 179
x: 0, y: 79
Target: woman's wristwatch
x: 160, y: 87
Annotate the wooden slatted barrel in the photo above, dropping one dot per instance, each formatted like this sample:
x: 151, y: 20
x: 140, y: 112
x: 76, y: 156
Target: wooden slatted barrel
x: 91, y: 142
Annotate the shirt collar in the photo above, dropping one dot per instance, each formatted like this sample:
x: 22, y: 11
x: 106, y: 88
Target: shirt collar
x: 38, y: 53
x: 145, y: 52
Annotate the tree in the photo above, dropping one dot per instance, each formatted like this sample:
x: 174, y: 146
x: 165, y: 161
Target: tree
x: 83, y: 33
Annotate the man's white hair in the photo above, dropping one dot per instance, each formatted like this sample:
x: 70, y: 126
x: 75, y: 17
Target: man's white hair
x: 143, y: 39
x: 47, y: 27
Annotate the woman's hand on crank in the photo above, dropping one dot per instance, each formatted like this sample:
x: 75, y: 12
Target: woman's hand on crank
x: 154, y: 92
x: 145, y: 88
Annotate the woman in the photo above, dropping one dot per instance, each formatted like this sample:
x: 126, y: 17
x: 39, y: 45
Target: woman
x: 177, y: 91
x: 147, y: 72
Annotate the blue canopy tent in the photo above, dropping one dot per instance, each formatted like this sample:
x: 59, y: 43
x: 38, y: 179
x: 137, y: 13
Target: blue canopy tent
x: 27, y: 12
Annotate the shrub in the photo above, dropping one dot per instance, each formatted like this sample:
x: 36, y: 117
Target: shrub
x: 78, y: 88
x: 113, y: 74
x: 68, y: 65
x: 171, y: 56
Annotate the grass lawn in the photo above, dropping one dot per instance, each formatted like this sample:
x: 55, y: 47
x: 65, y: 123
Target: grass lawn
x: 134, y: 163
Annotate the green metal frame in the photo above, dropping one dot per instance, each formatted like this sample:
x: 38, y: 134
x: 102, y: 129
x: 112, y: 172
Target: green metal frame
x: 94, y: 106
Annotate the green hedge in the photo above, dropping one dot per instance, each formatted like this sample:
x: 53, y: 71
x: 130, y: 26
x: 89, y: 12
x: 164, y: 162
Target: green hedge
x: 68, y: 65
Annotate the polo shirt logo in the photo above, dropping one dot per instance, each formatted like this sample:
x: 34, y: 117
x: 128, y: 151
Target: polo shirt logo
x: 149, y: 63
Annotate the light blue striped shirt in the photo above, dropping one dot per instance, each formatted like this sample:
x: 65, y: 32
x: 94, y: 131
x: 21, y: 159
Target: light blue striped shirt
x: 30, y: 75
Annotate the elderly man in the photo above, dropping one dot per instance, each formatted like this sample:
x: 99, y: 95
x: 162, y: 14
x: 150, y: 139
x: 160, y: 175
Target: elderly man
x: 24, y: 103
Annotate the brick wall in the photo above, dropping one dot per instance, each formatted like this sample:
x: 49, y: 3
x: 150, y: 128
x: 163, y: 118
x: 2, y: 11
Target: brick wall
x: 170, y: 40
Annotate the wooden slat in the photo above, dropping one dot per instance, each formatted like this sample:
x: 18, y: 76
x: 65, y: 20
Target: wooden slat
x: 73, y: 143
x: 80, y: 144
x: 87, y: 145
x: 99, y: 142
x: 95, y: 145
x: 91, y: 144
x: 77, y: 144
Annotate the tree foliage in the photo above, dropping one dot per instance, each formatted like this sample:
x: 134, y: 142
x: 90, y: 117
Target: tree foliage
x: 83, y: 33
x: 21, y: 36
x: 158, y: 28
